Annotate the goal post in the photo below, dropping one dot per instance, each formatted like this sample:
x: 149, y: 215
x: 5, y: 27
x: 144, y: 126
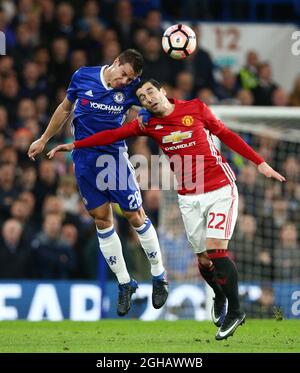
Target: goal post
x: 265, y: 244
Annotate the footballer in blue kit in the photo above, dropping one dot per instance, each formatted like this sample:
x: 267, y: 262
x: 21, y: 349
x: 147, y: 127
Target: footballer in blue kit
x: 99, y: 107
x: 98, y: 98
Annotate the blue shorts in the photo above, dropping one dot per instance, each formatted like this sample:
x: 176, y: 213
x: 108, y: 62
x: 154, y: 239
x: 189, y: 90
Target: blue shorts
x: 105, y: 178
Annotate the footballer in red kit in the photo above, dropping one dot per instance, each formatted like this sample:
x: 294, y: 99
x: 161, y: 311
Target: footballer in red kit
x: 209, y: 211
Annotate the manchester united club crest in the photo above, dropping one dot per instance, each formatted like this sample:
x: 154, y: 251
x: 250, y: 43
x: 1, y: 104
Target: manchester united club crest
x: 187, y: 120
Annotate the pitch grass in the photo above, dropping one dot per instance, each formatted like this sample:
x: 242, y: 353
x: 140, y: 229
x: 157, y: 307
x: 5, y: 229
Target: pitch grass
x: 138, y: 336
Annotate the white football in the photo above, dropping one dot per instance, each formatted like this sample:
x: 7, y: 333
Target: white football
x: 179, y: 41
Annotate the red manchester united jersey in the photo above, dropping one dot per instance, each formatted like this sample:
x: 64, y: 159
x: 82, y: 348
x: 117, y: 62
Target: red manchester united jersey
x: 186, y: 133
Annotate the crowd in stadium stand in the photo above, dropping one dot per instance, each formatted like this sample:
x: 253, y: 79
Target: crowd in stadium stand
x: 45, y: 229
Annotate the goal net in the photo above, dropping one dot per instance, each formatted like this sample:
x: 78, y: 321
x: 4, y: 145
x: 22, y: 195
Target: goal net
x: 265, y: 244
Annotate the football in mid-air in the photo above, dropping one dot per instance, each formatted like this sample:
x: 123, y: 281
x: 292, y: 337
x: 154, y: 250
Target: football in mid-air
x: 179, y: 41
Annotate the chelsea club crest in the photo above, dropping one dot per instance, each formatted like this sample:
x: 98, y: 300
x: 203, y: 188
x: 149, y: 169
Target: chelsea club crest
x: 119, y: 97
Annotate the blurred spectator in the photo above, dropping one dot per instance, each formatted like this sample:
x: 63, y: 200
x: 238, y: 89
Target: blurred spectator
x: 69, y: 235
x: 26, y: 110
x: 24, y: 47
x: 264, y: 307
x: 42, y: 107
x: 52, y: 258
x: 227, y: 88
x: 267, y: 146
x: 32, y: 84
x: 247, y: 186
x: 78, y: 59
x: 140, y: 38
x: 23, y: 214
x: 24, y: 9
x: 4, y: 125
x: 28, y: 177
x: 59, y: 65
x: 179, y: 258
x: 5, y: 27
x: 9, y: 97
x: 90, y: 16
x: 48, y: 24
x: 124, y: 23
x: 287, y: 254
x: 245, y: 97
x: 253, y: 261
x: 291, y: 168
x: 21, y: 141
x: 64, y: 20
x: 207, y: 96
x: 32, y: 129
x: 200, y: 65
x: 185, y: 85
x: 47, y: 181
x: 8, y: 189
x: 294, y: 99
x: 42, y: 60
x: 67, y: 191
x: 14, y: 256
x: 247, y: 76
x: 6, y: 66
x: 153, y: 22
x: 264, y: 90
x: 279, y: 97
x: 9, y: 156
x: 270, y: 227
x: 157, y: 65
x: 110, y: 52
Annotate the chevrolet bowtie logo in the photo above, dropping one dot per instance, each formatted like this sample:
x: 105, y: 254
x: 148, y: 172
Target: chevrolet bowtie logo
x: 176, y: 137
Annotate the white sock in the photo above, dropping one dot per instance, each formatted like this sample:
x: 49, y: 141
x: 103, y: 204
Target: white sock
x: 149, y: 241
x: 110, y: 245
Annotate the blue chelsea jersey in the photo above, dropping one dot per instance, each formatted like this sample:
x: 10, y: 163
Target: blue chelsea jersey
x: 97, y: 106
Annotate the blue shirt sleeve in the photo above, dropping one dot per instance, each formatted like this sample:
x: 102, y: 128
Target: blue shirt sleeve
x: 73, y: 86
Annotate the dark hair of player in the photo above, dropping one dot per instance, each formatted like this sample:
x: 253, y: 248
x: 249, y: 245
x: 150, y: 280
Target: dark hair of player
x: 154, y: 82
x: 134, y: 58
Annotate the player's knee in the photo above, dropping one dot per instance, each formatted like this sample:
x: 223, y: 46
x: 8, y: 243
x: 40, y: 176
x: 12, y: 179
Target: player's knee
x: 136, y: 218
x: 103, y: 222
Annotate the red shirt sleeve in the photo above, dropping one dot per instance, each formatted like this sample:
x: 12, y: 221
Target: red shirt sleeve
x: 228, y: 137
x: 107, y: 137
x: 236, y: 143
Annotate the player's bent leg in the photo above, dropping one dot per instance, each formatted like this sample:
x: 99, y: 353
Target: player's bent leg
x: 111, y: 248
x: 149, y: 241
x: 228, y: 279
x: 208, y: 272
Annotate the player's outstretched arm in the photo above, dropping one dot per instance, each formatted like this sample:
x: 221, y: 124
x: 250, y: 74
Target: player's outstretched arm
x: 59, y: 118
x: 102, y: 138
x: 268, y: 171
x: 60, y: 148
x: 236, y: 143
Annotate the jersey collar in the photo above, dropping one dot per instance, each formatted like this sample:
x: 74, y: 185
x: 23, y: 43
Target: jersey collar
x: 102, y: 80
